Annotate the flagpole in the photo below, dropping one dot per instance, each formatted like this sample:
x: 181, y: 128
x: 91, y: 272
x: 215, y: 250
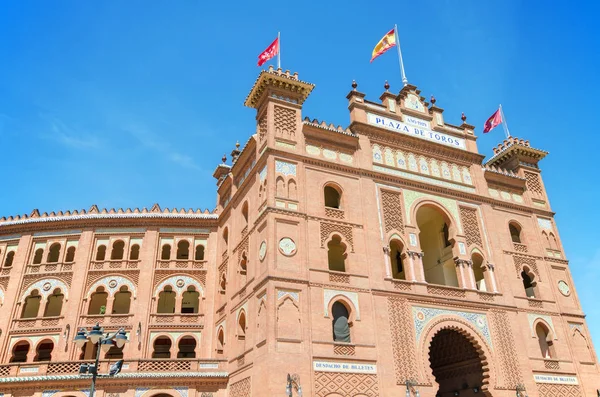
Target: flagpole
x: 404, y: 79
x: 278, y: 50
x: 504, y: 123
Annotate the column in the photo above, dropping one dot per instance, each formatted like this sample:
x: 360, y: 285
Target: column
x: 109, y: 305
x: 490, y: 277
x: 42, y: 307
x: 386, y: 259
x: 416, y: 260
x: 462, y: 273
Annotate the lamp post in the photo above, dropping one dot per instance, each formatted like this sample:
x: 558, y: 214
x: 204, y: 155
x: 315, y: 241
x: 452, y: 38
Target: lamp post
x: 96, y: 336
x: 411, y: 386
x: 520, y: 389
x: 293, y: 382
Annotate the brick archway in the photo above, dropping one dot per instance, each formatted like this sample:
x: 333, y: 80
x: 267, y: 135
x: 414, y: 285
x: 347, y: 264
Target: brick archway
x: 453, y: 356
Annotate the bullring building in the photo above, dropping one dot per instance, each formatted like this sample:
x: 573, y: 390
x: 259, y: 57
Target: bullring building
x: 385, y: 258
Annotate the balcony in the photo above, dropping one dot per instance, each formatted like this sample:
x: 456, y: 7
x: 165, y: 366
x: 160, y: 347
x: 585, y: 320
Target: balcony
x: 106, y: 319
x: 72, y: 367
x: 39, y: 322
x: 180, y: 264
x: 115, y: 264
x: 195, y: 319
x: 520, y: 247
x: 50, y: 267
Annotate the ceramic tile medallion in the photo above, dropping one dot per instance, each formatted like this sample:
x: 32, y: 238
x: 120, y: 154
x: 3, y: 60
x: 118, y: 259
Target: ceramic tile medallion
x: 262, y: 250
x: 287, y: 246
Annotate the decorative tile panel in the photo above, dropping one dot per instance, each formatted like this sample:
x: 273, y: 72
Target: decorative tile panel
x: 424, y: 179
x: 45, y: 287
x: 285, y: 168
x: 281, y: 293
x: 179, y: 284
x: 424, y: 315
x: 545, y: 223
x: 112, y: 284
x: 263, y: 173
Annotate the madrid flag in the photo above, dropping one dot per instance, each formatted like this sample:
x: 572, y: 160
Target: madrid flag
x: 388, y: 41
x: 494, y: 121
x: 269, y: 53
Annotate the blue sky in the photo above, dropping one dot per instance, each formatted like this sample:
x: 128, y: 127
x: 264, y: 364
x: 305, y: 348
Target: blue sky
x: 112, y: 103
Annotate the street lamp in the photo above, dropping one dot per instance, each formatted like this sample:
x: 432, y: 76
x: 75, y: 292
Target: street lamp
x: 411, y: 386
x: 520, y: 389
x: 293, y: 382
x: 96, y: 336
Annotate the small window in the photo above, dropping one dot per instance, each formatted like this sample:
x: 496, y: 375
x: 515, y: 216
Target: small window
x: 332, y: 197
x: 31, y: 307
x: 19, y: 352
x: 162, y: 347
x: 187, y: 347
x: 70, y: 255
x: 528, y: 283
x: 122, y: 302
x: 515, y: 233
x: 37, y: 258
x: 544, y: 340
x: 166, y: 301
x: 341, y: 327
x: 118, y: 250
x: 101, y: 253
x: 54, y: 304
x: 54, y: 253
x: 183, y: 249
x: 242, y: 326
x: 44, y: 351
x: 134, y: 252
x: 243, y: 264
x: 199, y: 252
x: 166, y: 252
x: 190, y: 300
x: 98, y: 302
x: 10, y: 257
x: 220, y: 340
x: 336, y: 254
x: 396, y: 260
x: 478, y: 268
x: 223, y: 283
x: 245, y: 212
x: 226, y: 237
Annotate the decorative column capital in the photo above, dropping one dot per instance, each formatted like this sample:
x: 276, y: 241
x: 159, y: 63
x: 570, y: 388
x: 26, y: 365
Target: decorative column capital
x: 490, y: 266
x: 386, y: 250
x: 415, y: 254
x: 462, y: 262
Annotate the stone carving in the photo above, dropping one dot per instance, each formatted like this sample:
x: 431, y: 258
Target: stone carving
x: 550, y: 390
x: 287, y: 246
x: 328, y: 228
x: 344, y: 350
x: 510, y: 373
x: 533, y: 183
x: 345, y: 384
x: 468, y: 217
x: 392, y: 211
x: 179, y: 284
x: 285, y: 122
x: 45, y: 287
x: 262, y: 129
x: 403, y: 340
x: 242, y: 388
x: 112, y: 288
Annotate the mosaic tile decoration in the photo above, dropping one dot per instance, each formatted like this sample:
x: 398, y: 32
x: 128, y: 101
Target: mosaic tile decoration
x: 179, y: 284
x: 263, y: 173
x: 424, y: 315
x: 285, y: 168
x: 112, y: 284
x: 46, y: 287
x: 545, y: 223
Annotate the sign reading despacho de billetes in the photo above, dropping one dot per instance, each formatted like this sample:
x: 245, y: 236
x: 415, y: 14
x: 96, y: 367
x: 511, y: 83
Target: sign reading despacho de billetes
x: 416, y: 131
x: 348, y: 367
x: 555, y: 379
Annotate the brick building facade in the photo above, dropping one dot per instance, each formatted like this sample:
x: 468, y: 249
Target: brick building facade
x: 357, y: 259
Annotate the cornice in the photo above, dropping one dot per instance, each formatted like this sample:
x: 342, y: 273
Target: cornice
x: 278, y: 79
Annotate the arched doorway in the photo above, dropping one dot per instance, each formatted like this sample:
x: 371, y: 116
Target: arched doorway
x: 457, y: 365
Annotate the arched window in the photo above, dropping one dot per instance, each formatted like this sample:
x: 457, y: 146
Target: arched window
x: 53, y: 253
x: 241, y: 329
x: 98, y: 301
x: 114, y: 353
x: 332, y: 197
x: 243, y: 264
x: 528, y: 282
x: 292, y: 190
x: 10, y: 257
x: 31, y: 307
x: 118, y: 250
x: 396, y: 260
x: 220, y: 340
x: 190, y: 300
x: 245, y: 213
x: 477, y: 261
x: 54, y: 304
x: 199, y: 252
x: 515, y: 232
x: 166, y: 252
x: 545, y: 341
x: 162, y: 347
x: 553, y: 242
x: 341, y: 327
x: 279, y: 187
x: 336, y: 254
x: 434, y: 237
x: 183, y: 249
x: 101, y: 253
x: 37, y: 258
x: 166, y: 301
x: 226, y: 237
x: 122, y: 301
x: 44, y: 351
x: 70, y: 255
x: 223, y: 283
x: 134, y: 252
x: 187, y: 347
x: 19, y: 352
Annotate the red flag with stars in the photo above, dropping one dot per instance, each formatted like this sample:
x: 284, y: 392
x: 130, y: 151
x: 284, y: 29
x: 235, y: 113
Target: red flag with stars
x: 494, y: 121
x: 269, y: 53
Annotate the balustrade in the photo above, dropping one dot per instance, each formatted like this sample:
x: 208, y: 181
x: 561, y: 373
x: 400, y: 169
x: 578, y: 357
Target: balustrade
x: 180, y: 264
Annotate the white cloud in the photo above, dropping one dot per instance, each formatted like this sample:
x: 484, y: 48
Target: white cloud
x: 68, y: 135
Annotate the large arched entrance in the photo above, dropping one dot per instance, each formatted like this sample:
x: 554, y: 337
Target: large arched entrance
x: 456, y: 364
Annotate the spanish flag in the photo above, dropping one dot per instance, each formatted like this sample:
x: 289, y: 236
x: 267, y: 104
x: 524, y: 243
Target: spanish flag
x: 388, y: 41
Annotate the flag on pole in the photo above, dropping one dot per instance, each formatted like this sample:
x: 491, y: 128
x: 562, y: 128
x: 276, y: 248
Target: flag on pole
x: 388, y: 41
x: 269, y: 53
x: 494, y: 121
